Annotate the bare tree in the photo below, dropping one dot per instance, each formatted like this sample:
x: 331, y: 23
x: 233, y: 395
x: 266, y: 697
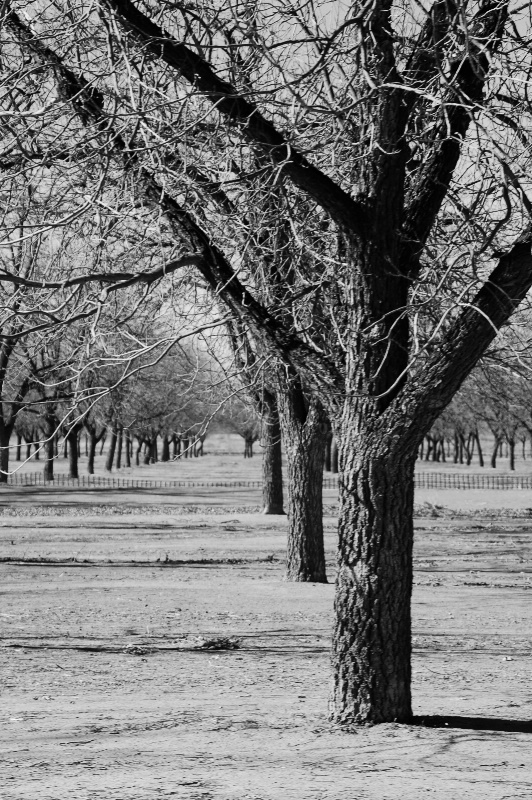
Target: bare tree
x: 393, y: 138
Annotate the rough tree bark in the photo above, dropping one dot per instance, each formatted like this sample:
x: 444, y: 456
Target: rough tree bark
x: 371, y: 655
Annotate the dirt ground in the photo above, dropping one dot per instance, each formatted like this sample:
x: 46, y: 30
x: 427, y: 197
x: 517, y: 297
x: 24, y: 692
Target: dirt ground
x: 111, y: 687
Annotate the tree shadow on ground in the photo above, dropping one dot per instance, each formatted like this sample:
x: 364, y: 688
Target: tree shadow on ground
x: 475, y: 723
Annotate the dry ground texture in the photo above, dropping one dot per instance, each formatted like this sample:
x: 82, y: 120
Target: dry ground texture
x: 113, y: 605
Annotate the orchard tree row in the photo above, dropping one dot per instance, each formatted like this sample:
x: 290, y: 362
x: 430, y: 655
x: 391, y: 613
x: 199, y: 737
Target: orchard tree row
x: 159, y: 412
x: 493, y: 410
x: 340, y: 191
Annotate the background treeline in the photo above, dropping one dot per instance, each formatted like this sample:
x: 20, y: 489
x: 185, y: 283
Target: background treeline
x: 491, y: 417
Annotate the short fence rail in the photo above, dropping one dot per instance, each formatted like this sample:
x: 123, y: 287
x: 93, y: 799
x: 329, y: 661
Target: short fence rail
x: 424, y: 480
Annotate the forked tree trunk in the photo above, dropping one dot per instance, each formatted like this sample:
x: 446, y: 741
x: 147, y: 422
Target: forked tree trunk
x: 371, y: 643
x: 304, y: 432
x: 272, y: 468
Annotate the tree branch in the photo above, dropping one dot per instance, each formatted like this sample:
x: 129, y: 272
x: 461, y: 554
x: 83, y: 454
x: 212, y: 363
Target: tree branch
x: 121, y: 279
x: 427, y: 394
x: 208, y: 259
x: 347, y: 212
x: 466, y: 85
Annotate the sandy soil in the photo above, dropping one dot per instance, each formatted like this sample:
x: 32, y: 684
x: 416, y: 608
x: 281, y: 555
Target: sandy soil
x: 110, y: 690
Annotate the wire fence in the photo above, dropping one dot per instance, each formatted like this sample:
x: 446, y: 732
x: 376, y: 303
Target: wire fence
x: 109, y: 482
x: 444, y: 480
x: 424, y: 480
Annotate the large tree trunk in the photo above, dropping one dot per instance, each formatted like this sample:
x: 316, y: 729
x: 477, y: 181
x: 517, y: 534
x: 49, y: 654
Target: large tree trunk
x: 165, y: 453
x: 272, y: 467
x: 304, y: 433
x: 371, y: 644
